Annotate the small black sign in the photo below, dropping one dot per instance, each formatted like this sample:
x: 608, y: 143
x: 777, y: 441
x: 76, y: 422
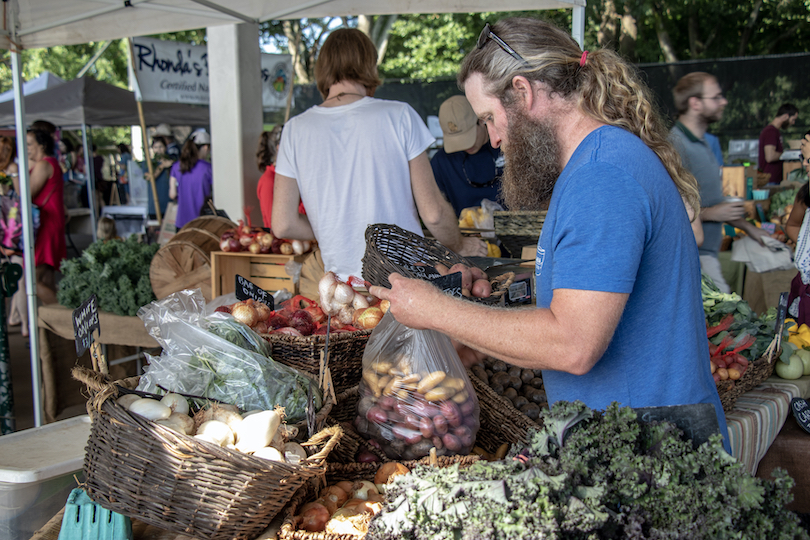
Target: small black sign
x: 423, y: 271
x: 801, y: 412
x: 450, y: 284
x: 698, y: 422
x: 85, y: 321
x: 781, y: 313
x: 246, y: 289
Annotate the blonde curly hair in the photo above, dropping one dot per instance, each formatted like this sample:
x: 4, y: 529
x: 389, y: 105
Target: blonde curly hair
x: 606, y: 87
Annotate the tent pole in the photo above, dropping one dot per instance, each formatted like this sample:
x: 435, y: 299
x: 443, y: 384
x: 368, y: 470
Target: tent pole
x: 146, y: 155
x: 89, y: 168
x: 28, y: 237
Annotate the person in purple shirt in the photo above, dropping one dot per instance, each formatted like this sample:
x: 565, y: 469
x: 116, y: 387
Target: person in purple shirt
x: 190, y: 183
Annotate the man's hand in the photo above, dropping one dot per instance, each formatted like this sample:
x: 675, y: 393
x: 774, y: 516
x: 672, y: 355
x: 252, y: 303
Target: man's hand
x: 412, y: 300
x: 472, y: 247
x: 757, y: 234
x: 727, y: 211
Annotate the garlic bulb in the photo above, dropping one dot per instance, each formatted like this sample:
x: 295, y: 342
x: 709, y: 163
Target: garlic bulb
x: 176, y: 403
x: 344, y: 294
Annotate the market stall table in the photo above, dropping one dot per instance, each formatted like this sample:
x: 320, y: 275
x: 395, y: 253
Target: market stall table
x: 56, y: 319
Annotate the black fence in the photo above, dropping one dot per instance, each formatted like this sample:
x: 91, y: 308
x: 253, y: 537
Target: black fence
x: 754, y: 86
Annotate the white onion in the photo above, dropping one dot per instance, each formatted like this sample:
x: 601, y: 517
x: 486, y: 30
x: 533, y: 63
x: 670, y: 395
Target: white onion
x: 346, y: 314
x: 344, y: 294
x: 128, y: 399
x: 176, y: 403
x: 298, y: 247
x: 326, y: 287
x: 151, y: 409
x: 359, y: 302
x: 269, y: 453
x: 218, y: 431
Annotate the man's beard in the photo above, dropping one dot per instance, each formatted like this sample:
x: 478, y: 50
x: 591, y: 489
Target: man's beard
x: 712, y: 118
x: 531, y: 163
x: 785, y: 124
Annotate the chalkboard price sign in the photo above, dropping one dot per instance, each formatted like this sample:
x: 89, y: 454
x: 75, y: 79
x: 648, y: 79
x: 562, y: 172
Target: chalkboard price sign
x: 801, y: 412
x: 450, y: 284
x: 85, y: 321
x: 697, y: 421
x: 246, y: 289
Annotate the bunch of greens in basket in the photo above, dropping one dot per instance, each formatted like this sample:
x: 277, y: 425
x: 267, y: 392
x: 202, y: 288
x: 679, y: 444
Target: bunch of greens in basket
x: 116, y: 271
x: 740, y: 322
x: 592, y: 475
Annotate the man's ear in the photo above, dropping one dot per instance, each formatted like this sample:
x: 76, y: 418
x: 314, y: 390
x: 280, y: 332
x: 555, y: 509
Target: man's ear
x: 524, y: 91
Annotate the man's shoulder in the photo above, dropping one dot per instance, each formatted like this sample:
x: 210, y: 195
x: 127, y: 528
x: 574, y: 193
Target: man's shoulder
x: 768, y: 131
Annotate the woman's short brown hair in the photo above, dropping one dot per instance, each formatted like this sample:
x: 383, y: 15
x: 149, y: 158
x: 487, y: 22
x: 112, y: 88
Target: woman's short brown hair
x: 347, y: 55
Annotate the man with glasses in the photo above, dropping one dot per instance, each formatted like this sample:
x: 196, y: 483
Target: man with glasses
x: 467, y: 169
x: 700, y: 103
x: 770, y: 142
x: 617, y: 269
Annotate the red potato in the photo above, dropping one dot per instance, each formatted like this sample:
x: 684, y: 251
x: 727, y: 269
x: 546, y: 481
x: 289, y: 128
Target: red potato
x: 442, y: 269
x: 477, y: 273
x: 721, y: 362
x: 481, y: 288
x: 466, y: 276
x: 716, y: 377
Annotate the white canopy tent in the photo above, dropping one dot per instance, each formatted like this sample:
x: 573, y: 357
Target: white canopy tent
x: 30, y: 24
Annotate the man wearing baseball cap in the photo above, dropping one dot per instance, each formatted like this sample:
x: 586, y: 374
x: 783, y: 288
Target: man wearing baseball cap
x: 467, y: 169
x: 172, y: 148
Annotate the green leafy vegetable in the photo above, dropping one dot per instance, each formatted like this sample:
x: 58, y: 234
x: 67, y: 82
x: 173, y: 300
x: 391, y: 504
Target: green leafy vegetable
x: 117, y: 271
x: 613, y: 477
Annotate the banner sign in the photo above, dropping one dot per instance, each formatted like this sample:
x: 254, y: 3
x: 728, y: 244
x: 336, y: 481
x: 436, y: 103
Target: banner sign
x: 174, y: 72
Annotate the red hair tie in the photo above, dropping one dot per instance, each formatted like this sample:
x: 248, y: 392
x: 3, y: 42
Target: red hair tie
x: 583, y: 58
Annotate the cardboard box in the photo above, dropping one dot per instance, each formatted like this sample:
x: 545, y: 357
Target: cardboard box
x: 36, y: 474
x: 265, y: 271
x: 735, y: 178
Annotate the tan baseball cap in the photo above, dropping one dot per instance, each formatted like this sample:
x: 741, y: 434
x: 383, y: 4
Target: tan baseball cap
x: 163, y: 130
x: 458, y: 123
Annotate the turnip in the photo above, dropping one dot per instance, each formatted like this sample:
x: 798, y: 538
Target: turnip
x: 257, y: 431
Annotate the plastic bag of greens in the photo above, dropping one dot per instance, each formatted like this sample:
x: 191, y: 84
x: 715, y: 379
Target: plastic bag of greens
x: 197, y: 362
x: 415, y: 393
x: 226, y: 327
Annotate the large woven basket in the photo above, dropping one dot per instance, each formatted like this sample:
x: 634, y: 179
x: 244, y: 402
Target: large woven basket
x: 757, y: 372
x: 304, y: 353
x: 500, y: 421
x: 181, y: 484
x: 392, y: 249
x: 351, y: 472
x: 516, y: 229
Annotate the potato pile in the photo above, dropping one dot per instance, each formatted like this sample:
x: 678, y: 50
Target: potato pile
x: 523, y: 387
x: 408, y: 411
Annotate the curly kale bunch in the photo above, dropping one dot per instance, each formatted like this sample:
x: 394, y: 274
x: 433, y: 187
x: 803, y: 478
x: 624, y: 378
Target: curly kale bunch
x: 592, y: 475
x: 117, y: 271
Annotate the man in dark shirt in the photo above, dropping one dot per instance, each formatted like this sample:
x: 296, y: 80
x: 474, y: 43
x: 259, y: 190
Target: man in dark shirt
x: 770, y: 142
x: 467, y: 169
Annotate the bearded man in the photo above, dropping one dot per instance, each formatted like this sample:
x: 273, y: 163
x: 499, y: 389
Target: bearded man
x: 700, y: 102
x: 771, y: 145
x: 617, y: 269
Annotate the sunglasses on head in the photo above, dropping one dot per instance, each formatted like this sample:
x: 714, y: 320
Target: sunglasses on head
x: 487, y: 34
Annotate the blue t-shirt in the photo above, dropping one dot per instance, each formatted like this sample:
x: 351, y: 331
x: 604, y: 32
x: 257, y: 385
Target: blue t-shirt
x: 617, y: 223
x: 466, y: 179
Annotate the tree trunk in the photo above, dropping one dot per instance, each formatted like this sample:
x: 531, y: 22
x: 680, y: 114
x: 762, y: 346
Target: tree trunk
x: 749, y: 28
x: 378, y: 28
x: 629, y: 35
x: 664, y: 41
x: 292, y: 30
x: 606, y: 34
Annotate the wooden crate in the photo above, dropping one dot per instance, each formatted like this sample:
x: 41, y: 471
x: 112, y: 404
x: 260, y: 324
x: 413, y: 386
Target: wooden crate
x: 734, y: 180
x: 265, y: 271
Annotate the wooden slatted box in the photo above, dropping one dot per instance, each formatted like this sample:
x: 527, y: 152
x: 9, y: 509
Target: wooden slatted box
x: 264, y: 271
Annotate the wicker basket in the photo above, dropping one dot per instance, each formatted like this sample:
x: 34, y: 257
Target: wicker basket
x: 516, y: 229
x: 351, y: 472
x: 392, y: 249
x: 500, y: 421
x: 757, y: 372
x: 181, y: 484
x: 304, y: 354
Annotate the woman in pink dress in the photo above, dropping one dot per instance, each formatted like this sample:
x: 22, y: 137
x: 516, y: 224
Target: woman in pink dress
x: 45, y: 179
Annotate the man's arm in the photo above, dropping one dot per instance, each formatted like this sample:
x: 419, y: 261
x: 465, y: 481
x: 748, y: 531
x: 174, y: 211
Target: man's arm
x: 287, y: 222
x: 570, y: 336
x: 771, y: 154
x: 436, y: 213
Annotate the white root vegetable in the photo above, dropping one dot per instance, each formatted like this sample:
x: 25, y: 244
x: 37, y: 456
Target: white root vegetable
x: 359, y: 302
x: 128, y: 399
x: 298, y: 247
x: 294, y: 453
x: 206, y: 437
x: 222, y: 413
x: 268, y: 452
x: 176, y: 403
x: 344, y: 294
x: 307, y: 246
x: 184, y: 421
x: 326, y: 287
x: 218, y: 431
x: 346, y: 315
x: 256, y: 431
x: 362, y: 489
x: 151, y: 409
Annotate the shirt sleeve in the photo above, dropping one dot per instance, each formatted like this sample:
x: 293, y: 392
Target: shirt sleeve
x: 418, y: 136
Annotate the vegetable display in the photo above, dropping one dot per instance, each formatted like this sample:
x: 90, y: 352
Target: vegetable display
x: 523, y: 387
x: 259, y: 241
x: 116, y: 271
x: 592, y: 475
